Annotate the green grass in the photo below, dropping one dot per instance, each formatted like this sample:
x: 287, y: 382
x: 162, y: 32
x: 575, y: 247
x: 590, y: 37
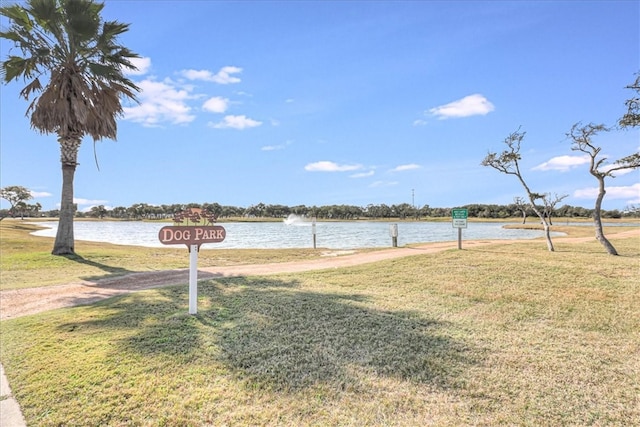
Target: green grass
x: 497, y: 335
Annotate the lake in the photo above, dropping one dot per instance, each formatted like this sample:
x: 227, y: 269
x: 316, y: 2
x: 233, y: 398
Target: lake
x: 295, y: 234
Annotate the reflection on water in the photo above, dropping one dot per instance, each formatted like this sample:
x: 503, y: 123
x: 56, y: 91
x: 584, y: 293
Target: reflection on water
x: 278, y: 235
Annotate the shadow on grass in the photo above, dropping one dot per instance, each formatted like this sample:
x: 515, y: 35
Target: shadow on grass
x: 111, y: 270
x: 272, y: 335
x: 20, y: 226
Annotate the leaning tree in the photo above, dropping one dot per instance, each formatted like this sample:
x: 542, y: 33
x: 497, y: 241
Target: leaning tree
x: 508, y: 162
x: 73, y: 67
x: 582, y: 140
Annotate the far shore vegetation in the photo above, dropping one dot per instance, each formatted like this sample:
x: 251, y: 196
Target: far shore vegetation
x: 503, y: 334
x: 266, y: 212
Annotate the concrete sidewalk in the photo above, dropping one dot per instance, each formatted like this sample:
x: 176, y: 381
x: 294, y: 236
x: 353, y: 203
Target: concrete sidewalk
x: 10, y: 413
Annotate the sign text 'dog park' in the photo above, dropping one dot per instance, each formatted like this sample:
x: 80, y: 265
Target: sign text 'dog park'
x: 191, y: 235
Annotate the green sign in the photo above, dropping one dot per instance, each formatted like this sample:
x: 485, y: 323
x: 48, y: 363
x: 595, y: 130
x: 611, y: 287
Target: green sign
x: 460, y: 213
x: 459, y: 217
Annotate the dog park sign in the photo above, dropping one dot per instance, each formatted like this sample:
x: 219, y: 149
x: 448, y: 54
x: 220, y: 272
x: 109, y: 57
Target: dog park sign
x: 191, y: 235
x: 202, y: 231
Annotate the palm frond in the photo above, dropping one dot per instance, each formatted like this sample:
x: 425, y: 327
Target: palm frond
x: 82, y: 21
x: 18, y: 15
x: 34, y: 86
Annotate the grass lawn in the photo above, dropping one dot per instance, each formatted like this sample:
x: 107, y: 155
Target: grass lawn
x: 497, y: 335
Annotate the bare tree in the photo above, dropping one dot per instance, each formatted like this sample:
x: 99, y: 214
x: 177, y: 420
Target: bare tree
x: 549, y: 202
x: 507, y: 162
x: 598, y: 167
x: 522, y: 206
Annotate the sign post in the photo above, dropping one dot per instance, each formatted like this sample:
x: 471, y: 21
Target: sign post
x: 313, y: 231
x: 393, y: 232
x: 193, y: 279
x: 459, y: 221
x: 192, y: 236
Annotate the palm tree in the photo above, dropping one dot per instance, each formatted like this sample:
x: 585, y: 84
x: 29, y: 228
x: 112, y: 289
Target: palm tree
x: 74, y: 69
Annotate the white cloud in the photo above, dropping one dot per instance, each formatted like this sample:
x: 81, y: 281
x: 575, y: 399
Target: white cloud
x: 377, y: 184
x: 566, y: 163
x: 630, y: 192
x: 223, y: 77
x: 160, y: 102
x: 85, y: 205
x: 562, y: 163
x: 362, y: 175
x: 472, y: 105
x: 419, y: 122
x: 216, y: 104
x: 80, y: 201
x: 277, y: 147
x: 36, y: 194
x: 327, y: 166
x: 143, y: 66
x: 173, y: 102
x: 403, y: 168
x: 235, y: 122
x: 87, y: 209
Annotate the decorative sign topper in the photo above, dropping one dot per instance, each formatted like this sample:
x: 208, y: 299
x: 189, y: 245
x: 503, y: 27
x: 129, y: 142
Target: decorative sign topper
x: 192, y: 234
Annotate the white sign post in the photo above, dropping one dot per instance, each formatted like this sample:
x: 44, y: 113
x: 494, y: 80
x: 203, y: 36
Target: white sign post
x: 313, y: 231
x: 459, y: 221
x: 193, y: 279
x: 393, y: 232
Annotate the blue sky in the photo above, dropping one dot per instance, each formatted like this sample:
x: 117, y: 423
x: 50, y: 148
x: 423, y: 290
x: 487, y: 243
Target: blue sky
x: 348, y: 102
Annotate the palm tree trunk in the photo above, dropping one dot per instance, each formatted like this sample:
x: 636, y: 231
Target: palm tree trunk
x: 65, y: 243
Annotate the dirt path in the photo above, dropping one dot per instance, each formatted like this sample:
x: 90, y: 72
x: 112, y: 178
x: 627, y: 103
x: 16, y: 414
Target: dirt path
x: 22, y: 302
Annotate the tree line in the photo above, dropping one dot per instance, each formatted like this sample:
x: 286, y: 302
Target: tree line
x: 18, y: 197
x: 140, y: 211
x: 344, y: 212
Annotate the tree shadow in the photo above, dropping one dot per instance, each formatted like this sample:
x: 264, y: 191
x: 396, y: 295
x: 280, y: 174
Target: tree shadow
x: 270, y: 334
x: 500, y: 251
x: 110, y: 270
